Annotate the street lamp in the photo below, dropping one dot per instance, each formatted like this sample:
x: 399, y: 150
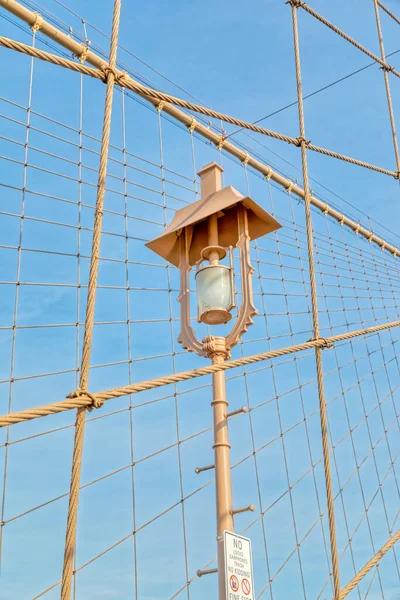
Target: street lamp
x: 201, y: 235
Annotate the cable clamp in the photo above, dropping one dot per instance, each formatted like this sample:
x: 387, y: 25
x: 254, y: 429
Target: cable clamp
x: 38, y: 22
x: 323, y: 343
x: 326, y: 344
x: 341, y: 220
x: 395, y: 252
x: 221, y: 142
x: 388, y: 68
x: 83, y: 55
x: 268, y: 175
x: 79, y: 393
x: 120, y: 76
x: 246, y: 159
x: 357, y: 229
x: 296, y: 3
x: 160, y: 105
x: 302, y: 140
x: 290, y: 187
x: 326, y: 209
x: 371, y: 235
x: 193, y: 124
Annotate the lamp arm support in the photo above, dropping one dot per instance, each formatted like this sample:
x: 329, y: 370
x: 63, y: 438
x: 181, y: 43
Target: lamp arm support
x: 247, y: 309
x: 186, y: 336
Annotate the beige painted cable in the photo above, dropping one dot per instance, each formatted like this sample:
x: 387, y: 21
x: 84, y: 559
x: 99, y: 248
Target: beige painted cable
x: 70, y: 538
x: 314, y: 304
x: 387, y: 86
x: 369, y: 565
x: 82, y: 51
x: 135, y: 388
x: 388, y: 12
x: 321, y: 19
x: 160, y: 98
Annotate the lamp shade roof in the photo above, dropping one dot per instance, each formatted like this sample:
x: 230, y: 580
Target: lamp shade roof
x: 223, y: 203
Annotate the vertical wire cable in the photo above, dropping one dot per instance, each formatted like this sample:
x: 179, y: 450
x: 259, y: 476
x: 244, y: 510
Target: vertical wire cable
x: 390, y: 528
x: 256, y: 467
x: 70, y: 538
x: 16, y: 299
x: 376, y: 387
x: 314, y: 302
x: 171, y: 329
x: 275, y: 386
x: 379, y: 408
x: 78, y: 290
x: 196, y: 191
x: 128, y: 317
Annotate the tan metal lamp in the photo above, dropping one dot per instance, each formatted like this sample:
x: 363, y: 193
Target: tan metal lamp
x: 202, y: 232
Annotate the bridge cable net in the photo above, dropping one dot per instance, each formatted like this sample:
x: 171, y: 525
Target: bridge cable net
x: 143, y: 522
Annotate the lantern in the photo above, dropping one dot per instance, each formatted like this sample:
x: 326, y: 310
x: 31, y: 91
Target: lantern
x: 201, y: 235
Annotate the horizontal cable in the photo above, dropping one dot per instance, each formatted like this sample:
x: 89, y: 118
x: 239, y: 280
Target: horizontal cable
x: 84, y: 401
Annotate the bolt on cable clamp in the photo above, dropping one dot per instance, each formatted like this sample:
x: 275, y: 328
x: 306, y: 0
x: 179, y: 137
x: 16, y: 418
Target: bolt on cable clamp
x: 38, y: 22
x: 83, y: 55
x: 79, y: 393
x: 302, y: 140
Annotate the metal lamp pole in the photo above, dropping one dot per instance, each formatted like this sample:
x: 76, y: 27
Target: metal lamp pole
x: 223, y: 484
x: 200, y: 232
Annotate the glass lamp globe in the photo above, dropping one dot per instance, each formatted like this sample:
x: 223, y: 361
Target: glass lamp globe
x: 214, y: 294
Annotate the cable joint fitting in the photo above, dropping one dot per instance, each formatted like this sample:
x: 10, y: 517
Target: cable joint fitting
x: 193, y: 124
x: 300, y: 140
x: 327, y: 344
x: 296, y: 3
x: 80, y: 393
x: 83, y: 55
x: 37, y: 23
x: 221, y: 142
x: 246, y: 159
x: 323, y: 343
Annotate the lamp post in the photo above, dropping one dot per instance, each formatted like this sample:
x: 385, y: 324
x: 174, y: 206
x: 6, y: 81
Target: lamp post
x: 199, y: 233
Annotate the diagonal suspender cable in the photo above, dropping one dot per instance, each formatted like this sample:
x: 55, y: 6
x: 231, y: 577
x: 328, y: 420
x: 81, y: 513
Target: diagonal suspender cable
x: 387, y: 86
x: 369, y: 565
x: 384, y: 65
x: 70, y: 539
x: 314, y: 305
x: 388, y: 12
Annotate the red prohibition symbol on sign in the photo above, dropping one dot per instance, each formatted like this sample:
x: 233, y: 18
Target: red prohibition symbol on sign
x: 234, y: 583
x: 246, y: 586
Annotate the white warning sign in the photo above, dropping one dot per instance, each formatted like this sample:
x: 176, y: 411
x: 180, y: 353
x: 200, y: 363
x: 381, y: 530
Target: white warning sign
x: 238, y: 567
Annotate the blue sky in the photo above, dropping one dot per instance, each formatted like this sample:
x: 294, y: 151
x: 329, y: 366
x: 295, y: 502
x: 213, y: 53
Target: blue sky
x: 240, y: 62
